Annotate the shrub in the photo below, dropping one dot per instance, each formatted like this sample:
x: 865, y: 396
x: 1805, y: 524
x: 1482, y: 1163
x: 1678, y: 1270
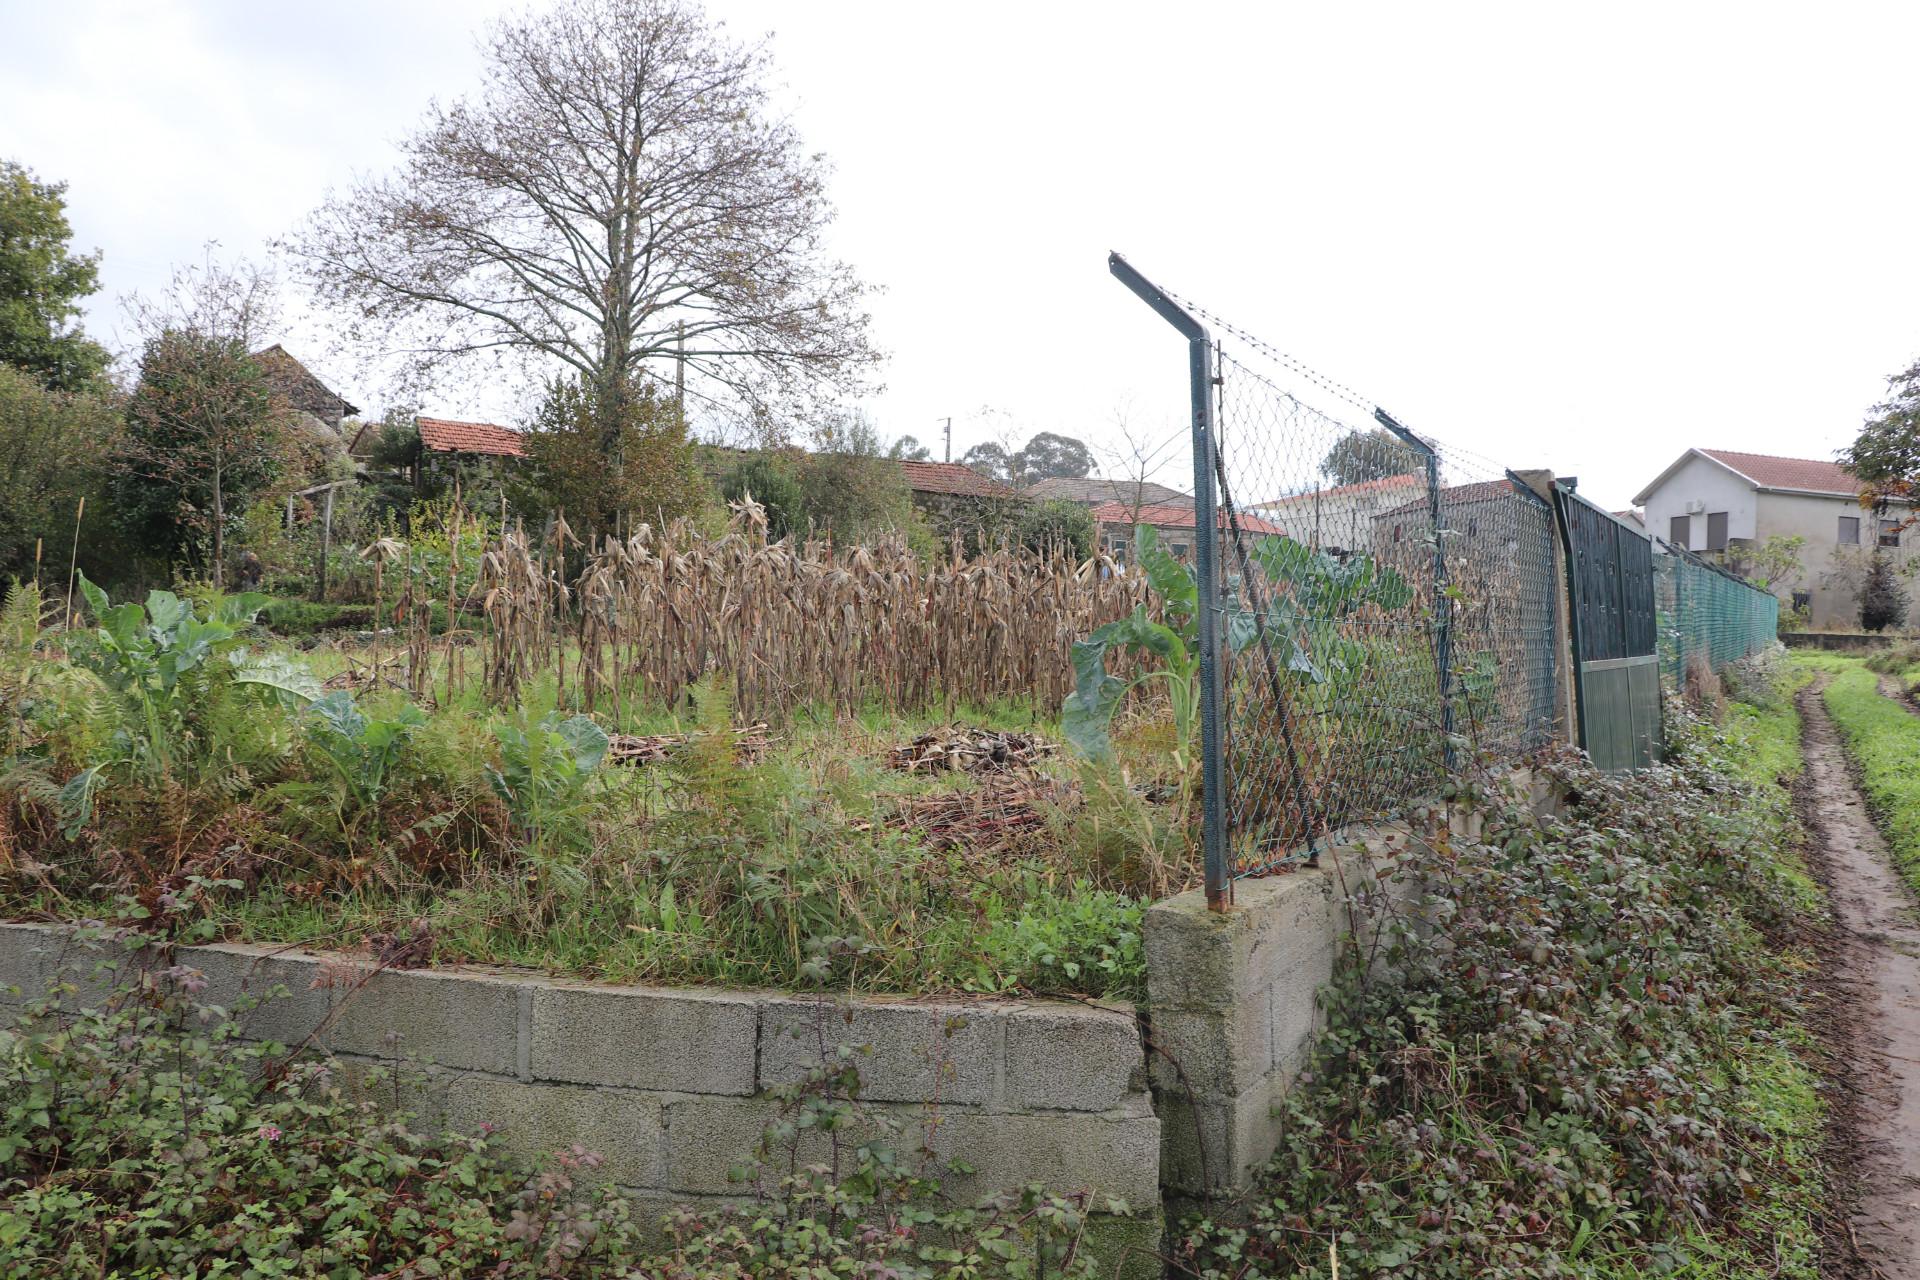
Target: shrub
x: 1057, y: 525
x: 1883, y: 601
x: 1555, y: 1061
x: 769, y: 478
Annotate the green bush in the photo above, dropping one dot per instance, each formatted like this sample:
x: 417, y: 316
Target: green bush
x: 140, y: 1136
x: 1057, y: 525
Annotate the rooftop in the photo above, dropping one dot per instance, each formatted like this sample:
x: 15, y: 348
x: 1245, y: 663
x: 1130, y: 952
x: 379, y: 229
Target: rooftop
x: 1383, y: 484
x: 952, y: 478
x: 445, y: 435
x: 302, y: 389
x: 1768, y: 471
x: 1093, y: 490
x: 1169, y: 516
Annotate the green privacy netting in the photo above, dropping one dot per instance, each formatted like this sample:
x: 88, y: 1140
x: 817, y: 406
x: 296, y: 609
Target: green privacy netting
x: 1702, y: 610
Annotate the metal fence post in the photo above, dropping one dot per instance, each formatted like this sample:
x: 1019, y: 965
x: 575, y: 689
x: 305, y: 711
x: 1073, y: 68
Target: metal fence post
x: 1442, y: 598
x: 1213, y: 794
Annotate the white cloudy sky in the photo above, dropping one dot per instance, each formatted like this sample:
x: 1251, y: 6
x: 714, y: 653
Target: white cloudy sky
x: 1581, y: 238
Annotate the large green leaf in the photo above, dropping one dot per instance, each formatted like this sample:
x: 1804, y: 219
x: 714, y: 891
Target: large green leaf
x: 585, y: 741
x: 75, y: 802
x: 293, y: 681
x: 1085, y: 722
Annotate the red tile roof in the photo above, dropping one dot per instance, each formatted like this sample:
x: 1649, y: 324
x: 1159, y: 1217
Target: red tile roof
x: 1172, y: 517
x: 1809, y: 475
x: 444, y: 435
x: 1380, y: 485
x: 952, y: 478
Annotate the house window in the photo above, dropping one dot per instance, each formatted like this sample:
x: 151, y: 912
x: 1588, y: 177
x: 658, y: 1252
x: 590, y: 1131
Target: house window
x: 1716, y: 531
x: 1849, y: 535
x: 1680, y: 532
x: 1889, y: 533
x: 1802, y: 601
x: 1179, y: 551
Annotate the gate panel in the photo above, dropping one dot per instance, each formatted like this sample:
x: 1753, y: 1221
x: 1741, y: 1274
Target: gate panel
x: 1610, y: 581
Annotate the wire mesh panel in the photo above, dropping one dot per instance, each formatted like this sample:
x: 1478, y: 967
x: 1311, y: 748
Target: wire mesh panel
x: 1373, y: 606
x: 1388, y: 606
x: 1706, y: 614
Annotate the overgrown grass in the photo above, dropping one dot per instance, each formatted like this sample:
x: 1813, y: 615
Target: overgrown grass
x: 243, y: 794
x: 1883, y: 739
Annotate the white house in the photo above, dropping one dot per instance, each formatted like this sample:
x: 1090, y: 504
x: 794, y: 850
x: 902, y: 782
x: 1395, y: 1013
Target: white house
x: 1722, y: 504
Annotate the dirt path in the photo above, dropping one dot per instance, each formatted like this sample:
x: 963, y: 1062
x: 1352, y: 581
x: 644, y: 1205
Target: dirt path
x: 1874, y: 968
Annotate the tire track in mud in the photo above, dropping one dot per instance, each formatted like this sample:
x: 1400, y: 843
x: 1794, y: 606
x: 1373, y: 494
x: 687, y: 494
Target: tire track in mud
x: 1872, y: 962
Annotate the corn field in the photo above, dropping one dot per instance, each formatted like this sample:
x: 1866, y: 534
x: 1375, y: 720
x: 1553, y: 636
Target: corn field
x: 790, y: 624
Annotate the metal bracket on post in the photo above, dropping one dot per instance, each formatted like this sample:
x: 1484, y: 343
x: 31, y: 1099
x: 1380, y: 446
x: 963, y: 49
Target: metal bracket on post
x: 1213, y: 795
x: 1442, y: 599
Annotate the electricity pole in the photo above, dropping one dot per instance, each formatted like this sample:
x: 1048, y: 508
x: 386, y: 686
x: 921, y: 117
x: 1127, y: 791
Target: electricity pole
x: 949, y: 453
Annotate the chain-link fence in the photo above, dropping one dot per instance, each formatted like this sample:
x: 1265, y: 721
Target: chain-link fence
x: 1706, y: 614
x: 1384, y: 607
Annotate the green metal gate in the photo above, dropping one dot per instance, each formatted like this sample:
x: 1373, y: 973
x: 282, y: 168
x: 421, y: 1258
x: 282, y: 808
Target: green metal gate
x: 1616, y: 662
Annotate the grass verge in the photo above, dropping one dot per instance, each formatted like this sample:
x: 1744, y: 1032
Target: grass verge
x: 1883, y: 740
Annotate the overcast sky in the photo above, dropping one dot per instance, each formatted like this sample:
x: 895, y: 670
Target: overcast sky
x: 1578, y: 242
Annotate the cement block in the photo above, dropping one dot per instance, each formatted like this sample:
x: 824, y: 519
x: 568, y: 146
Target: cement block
x: 1192, y: 954
x: 236, y: 972
x: 914, y: 1051
x: 1073, y: 1057
x: 644, y: 1038
x: 1212, y: 1147
x: 25, y: 950
x: 1215, y: 1054
x: 1116, y: 1154
x: 449, y: 1018
x: 707, y: 1137
x: 623, y: 1126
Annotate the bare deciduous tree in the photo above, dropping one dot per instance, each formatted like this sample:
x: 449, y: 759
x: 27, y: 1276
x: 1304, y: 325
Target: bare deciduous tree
x: 618, y: 196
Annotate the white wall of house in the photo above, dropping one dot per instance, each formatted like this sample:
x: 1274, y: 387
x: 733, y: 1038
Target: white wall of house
x: 1711, y: 486
x: 1830, y: 572
x: 1337, y: 520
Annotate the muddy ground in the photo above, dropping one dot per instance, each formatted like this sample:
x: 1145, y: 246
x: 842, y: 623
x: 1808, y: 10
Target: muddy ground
x: 1869, y: 1015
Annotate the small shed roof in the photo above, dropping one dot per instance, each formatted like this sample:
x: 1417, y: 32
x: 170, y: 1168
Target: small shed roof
x: 952, y: 478
x: 446, y: 435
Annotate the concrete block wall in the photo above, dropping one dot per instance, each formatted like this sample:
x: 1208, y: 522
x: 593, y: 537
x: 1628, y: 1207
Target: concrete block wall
x: 671, y: 1085
x: 1233, y: 996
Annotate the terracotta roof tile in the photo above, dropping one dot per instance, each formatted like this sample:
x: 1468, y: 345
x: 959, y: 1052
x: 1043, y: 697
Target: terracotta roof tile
x: 444, y: 435
x: 1810, y: 475
x: 952, y: 478
x: 1173, y: 517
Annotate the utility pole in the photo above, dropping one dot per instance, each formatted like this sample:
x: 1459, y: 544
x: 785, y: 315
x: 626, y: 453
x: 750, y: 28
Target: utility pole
x: 949, y: 453
x: 680, y: 368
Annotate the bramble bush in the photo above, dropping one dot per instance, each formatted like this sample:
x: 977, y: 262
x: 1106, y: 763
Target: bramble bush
x: 1558, y: 1067
x: 141, y: 1137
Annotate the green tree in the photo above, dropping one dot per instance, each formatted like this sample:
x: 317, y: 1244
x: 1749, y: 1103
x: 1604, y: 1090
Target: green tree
x: 850, y: 489
x: 206, y: 434
x: 909, y: 449
x: 990, y: 460
x: 1885, y: 456
x: 1776, y: 561
x: 41, y: 284
x: 54, y: 450
x: 1050, y: 456
x: 1883, y: 600
x: 1056, y: 525
x: 1360, y: 456
x: 645, y: 472
x: 770, y: 478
